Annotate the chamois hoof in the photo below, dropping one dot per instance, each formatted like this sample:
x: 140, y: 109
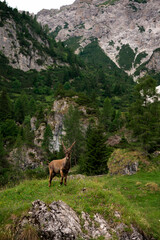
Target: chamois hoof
x: 61, y: 183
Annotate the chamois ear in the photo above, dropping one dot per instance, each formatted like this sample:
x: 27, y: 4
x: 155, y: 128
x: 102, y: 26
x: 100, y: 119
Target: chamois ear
x: 69, y: 149
x: 64, y: 148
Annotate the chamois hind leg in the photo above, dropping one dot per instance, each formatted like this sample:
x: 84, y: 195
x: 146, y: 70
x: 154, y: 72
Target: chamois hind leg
x: 62, y: 176
x: 65, y: 180
x: 51, y: 175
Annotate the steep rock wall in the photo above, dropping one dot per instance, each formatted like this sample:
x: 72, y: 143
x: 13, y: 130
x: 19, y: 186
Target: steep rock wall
x: 56, y: 121
x: 124, y: 23
x: 12, y: 49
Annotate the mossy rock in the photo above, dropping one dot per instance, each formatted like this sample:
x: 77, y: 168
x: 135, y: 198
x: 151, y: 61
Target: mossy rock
x: 126, y: 162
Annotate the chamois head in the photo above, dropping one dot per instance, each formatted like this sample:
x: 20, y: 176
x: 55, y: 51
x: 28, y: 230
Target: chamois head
x: 68, y: 151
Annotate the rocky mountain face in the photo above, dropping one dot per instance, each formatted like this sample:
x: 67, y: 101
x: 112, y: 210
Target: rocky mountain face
x: 11, y: 47
x: 24, y: 42
x: 127, y: 30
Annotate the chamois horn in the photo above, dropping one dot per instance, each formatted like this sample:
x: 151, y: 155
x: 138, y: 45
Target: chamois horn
x: 69, y: 149
x: 64, y: 148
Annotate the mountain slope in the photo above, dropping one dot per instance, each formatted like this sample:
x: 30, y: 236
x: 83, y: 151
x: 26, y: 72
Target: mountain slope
x: 127, y: 30
x: 133, y: 201
x: 26, y: 43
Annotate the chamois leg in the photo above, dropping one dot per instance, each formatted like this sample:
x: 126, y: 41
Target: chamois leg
x: 51, y: 175
x: 62, y: 176
x: 65, y: 180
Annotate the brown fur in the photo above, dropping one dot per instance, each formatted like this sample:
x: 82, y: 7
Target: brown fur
x: 61, y: 166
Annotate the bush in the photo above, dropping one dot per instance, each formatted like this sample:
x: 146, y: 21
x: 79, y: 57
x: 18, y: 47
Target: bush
x: 39, y: 173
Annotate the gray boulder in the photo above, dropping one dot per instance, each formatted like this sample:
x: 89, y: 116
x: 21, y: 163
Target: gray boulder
x: 59, y: 222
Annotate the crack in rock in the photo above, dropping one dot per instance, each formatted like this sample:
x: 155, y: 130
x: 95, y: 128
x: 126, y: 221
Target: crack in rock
x: 58, y: 221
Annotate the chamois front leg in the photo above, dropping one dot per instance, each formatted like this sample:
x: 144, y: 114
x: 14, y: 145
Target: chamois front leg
x: 62, y: 176
x: 65, y: 180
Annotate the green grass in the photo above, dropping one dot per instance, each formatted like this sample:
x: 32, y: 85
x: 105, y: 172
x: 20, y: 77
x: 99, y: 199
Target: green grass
x: 109, y: 2
x: 135, y: 197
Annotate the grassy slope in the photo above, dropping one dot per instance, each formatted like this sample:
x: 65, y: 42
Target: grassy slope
x: 137, y: 202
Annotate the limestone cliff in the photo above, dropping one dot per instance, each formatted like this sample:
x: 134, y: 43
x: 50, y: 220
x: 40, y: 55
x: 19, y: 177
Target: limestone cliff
x: 11, y: 48
x: 127, y: 30
x: 25, y: 42
x: 55, y: 119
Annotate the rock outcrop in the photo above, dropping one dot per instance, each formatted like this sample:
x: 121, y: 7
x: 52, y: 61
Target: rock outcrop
x: 126, y: 162
x: 11, y: 47
x: 59, y: 222
x: 56, y: 121
x: 121, y: 25
x: 26, y: 157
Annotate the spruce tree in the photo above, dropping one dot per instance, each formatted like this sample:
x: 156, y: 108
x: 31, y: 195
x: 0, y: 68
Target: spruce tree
x: 107, y: 114
x: 28, y: 134
x: 97, y: 153
x: 144, y: 114
x: 32, y: 107
x: 21, y: 108
x: 73, y: 129
x: 5, y: 106
x: 47, y: 137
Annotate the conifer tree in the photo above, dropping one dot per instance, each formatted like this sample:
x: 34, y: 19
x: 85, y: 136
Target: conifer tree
x: 144, y: 114
x: 32, y: 107
x: 47, y: 137
x: 21, y: 108
x: 107, y: 113
x: 5, y: 106
x: 97, y: 153
x: 28, y: 134
x: 73, y: 130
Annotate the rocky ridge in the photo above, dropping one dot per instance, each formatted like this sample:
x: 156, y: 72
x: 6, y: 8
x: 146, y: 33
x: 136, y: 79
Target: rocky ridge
x: 60, y: 222
x: 124, y: 23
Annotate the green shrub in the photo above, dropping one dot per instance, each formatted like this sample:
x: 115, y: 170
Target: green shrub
x: 126, y: 57
x: 38, y: 173
x: 139, y: 57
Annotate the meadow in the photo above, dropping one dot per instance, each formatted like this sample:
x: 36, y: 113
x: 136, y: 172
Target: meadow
x: 136, y: 198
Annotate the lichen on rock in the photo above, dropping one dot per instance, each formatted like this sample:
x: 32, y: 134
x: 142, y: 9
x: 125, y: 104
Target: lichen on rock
x: 126, y: 162
x: 58, y: 221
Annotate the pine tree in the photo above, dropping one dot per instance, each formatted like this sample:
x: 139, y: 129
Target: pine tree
x: 97, y: 153
x: 47, y: 137
x: 21, y: 108
x: 5, y: 106
x: 9, y: 130
x: 28, y: 134
x: 107, y: 114
x: 32, y: 107
x: 144, y: 114
x: 73, y: 130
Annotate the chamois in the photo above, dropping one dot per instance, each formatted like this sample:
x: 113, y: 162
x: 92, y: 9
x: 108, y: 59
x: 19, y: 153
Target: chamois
x: 61, y: 166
